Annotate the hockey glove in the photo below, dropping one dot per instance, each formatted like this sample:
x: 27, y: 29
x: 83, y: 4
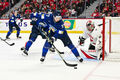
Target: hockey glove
x: 33, y: 23
x: 81, y: 40
x: 51, y: 40
x: 41, y: 26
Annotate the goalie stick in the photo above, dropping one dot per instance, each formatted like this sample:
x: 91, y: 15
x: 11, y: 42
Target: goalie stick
x: 102, y: 24
x: 7, y: 42
x: 71, y: 65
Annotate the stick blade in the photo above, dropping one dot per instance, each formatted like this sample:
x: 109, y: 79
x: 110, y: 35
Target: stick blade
x: 12, y: 44
x: 71, y: 65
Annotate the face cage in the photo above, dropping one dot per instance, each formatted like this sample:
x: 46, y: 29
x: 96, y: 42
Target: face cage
x: 90, y: 27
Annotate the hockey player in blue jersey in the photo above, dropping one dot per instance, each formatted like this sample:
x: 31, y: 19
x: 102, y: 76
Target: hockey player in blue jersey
x: 57, y: 31
x: 34, y: 32
x: 13, y: 24
x: 37, y: 22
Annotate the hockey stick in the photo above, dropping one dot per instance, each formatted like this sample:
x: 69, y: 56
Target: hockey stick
x: 71, y: 65
x: 7, y: 42
x: 102, y: 24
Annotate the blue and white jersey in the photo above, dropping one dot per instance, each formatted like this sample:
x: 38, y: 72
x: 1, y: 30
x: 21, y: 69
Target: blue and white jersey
x: 34, y: 16
x: 13, y: 19
x: 57, y: 28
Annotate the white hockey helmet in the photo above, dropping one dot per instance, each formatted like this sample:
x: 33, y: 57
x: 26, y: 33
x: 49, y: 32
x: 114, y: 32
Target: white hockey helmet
x: 90, y: 25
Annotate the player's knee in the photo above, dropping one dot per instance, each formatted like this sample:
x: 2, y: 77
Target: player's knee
x: 10, y: 31
x: 46, y: 47
x: 71, y: 46
x: 18, y: 29
x: 31, y: 41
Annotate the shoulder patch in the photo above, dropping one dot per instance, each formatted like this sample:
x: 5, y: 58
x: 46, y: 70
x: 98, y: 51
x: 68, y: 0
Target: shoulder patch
x: 42, y: 16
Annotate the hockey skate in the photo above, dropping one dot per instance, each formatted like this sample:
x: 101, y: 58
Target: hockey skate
x: 22, y: 48
x: 42, y: 59
x: 7, y: 38
x: 25, y: 52
x: 19, y: 37
x: 80, y: 59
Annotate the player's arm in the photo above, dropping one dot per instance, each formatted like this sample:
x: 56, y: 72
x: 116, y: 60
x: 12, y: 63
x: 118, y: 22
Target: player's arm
x: 59, y: 31
x: 19, y: 17
x: 33, y: 19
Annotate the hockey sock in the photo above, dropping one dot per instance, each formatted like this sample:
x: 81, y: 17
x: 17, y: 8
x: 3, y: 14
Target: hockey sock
x: 74, y: 50
x: 28, y: 44
x: 8, y: 34
x: 18, y: 33
x: 44, y: 52
x: 47, y: 45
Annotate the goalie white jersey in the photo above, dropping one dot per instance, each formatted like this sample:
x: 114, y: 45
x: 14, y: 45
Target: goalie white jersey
x: 95, y: 36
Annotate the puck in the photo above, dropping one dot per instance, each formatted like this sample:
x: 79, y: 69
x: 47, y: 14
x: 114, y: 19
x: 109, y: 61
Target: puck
x: 75, y: 67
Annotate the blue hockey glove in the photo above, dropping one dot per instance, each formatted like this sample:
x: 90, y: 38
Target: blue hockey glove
x: 51, y: 40
x: 41, y: 26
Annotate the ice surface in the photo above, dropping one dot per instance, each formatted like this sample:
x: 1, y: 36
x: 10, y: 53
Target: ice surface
x: 14, y: 66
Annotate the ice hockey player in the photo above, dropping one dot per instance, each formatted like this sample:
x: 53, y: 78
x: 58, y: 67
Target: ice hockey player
x: 13, y: 25
x: 94, y: 33
x: 57, y: 31
x: 34, y: 32
x: 49, y: 11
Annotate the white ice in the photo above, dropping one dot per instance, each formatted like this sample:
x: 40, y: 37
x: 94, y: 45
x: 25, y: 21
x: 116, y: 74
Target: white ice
x: 14, y: 66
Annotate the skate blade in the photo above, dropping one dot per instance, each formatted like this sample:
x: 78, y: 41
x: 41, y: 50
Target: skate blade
x: 24, y: 54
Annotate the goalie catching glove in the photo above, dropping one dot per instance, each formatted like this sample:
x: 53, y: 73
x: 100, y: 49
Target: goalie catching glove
x: 81, y: 40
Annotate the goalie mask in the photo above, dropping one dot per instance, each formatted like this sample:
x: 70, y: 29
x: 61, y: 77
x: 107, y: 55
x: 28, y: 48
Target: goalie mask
x: 90, y: 25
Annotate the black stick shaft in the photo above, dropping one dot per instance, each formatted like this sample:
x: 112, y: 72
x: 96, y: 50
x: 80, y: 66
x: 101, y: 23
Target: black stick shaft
x: 71, y: 65
x: 7, y: 42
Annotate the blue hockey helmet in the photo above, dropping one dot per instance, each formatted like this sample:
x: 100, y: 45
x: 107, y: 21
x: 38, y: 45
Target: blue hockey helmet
x: 49, y: 11
x: 57, y: 15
